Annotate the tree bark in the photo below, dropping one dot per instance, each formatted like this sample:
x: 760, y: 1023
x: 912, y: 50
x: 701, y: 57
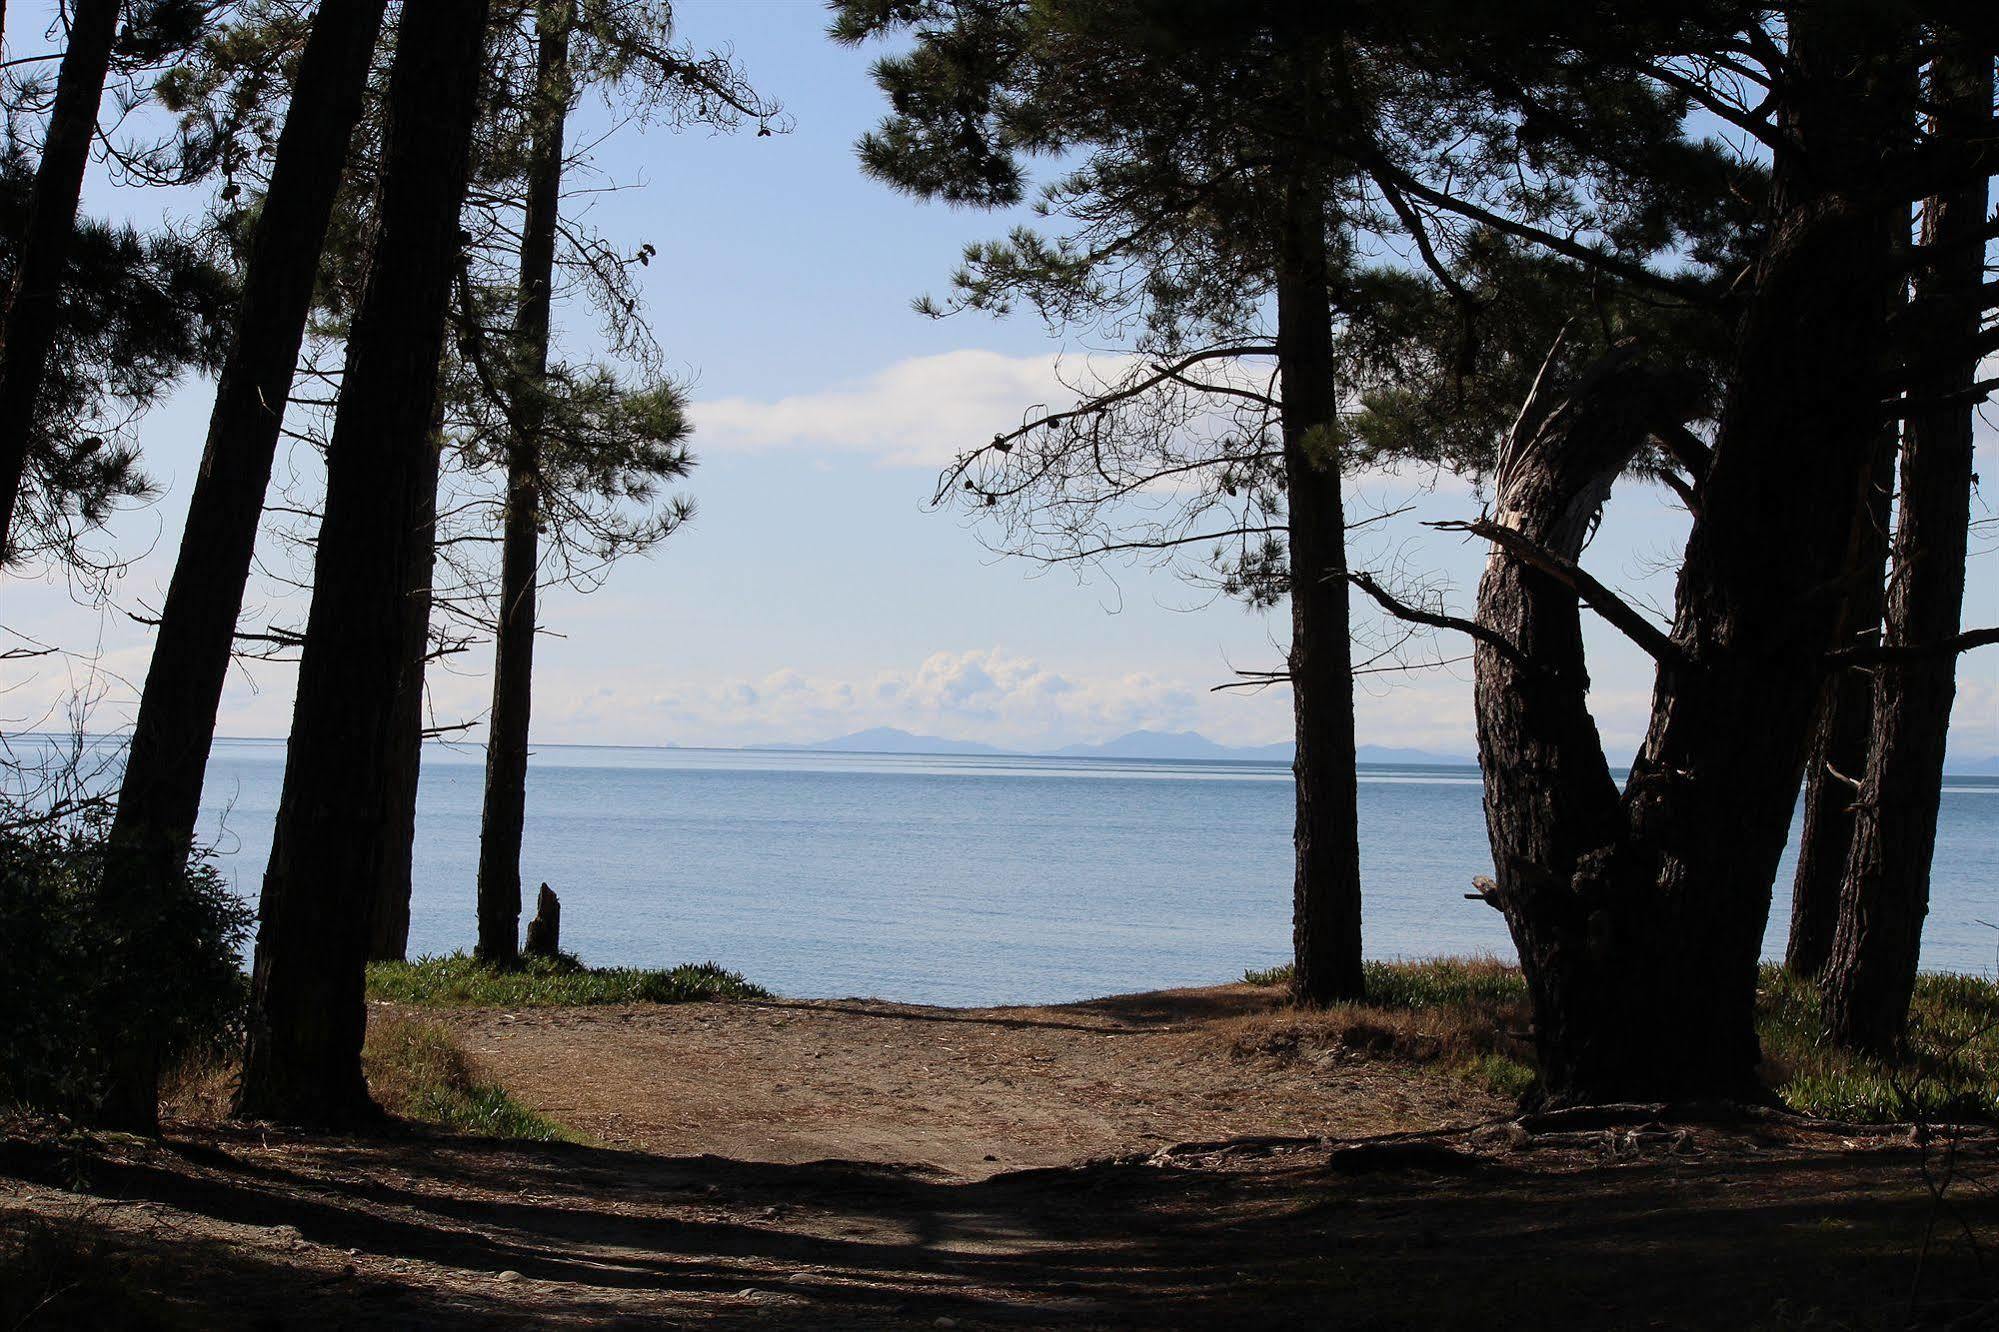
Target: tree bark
x: 28, y: 331
x: 159, y: 798
x: 1640, y: 919
x: 389, y: 928
x: 1326, y: 942
x: 505, y: 811
x: 1550, y: 801
x: 303, y: 1063
x: 1872, y: 972
x: 1838, y: 753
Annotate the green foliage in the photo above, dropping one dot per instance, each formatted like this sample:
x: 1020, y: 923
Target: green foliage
x: 1951, y: 1069
x: 458, y: 981
x: 417, y: 1070
x: 1484, y: 189
x: 1481, y: 982
x: 77, y: 975
x: 138, y: 313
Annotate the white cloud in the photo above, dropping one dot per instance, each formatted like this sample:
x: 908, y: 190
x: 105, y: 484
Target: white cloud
x: 979, y: 693
x: 919, y: 412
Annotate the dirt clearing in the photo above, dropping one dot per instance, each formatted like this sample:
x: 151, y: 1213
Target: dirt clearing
x: 1171, y: 1160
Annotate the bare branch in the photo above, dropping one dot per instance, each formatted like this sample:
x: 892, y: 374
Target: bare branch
x: 1619, y: 613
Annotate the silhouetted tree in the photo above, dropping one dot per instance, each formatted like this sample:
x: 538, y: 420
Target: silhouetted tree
x: 1639, y: 913
x: 160, y: 795
x: 29, y: 323
x: 1207, y: 142
x: 303, y: 1060
x: 1838, y: 754
x: 1871, y: 973
x: 138, y: 311
x: 582, y: 453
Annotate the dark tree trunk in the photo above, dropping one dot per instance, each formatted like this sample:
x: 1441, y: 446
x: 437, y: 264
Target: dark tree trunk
x: 1838, y: 754
x: 27, y: 333
x: 1872, y: 971
x: 1550, y: 801
x: 1325, y: 900
x: 160, y: 796
x: 303, y: 1063
x: 389, y: 929
x: 1640, y: 920
x: 505, y: 810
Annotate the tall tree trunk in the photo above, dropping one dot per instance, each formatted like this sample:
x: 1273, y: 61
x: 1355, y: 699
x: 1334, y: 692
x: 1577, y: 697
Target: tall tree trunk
x: 1872, y: 973
x: 505, y: 810
x: 389, y: 928
x: 1838, y: 753
x: 1550, y: 801
x: 159, y: 799
x: 303, y: 1063
x: 1326, y: 891
x: 1640, y: 921
x: 28, y: 330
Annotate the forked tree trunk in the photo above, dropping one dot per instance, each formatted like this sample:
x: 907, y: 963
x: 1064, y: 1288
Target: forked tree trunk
x: 28, y: 329
x: 1872, y: 973
x: 1326, y: 946
x: 1838, y: 755
x: 1550, y: 801
x: 389, y: 926
x: 303, y: 1063
x: 159, y: 798
x: 1640, y: 918
x: 505, y: 811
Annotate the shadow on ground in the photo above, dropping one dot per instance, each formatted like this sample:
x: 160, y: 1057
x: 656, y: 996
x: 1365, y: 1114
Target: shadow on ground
x: 1701, y: 1228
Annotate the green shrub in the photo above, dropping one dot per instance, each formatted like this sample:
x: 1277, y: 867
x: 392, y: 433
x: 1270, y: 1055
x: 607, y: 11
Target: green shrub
x: 458, y: 981
x: 76, y: 976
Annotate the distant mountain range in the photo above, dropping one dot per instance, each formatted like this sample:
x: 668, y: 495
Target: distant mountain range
x: 1135, y: 745
x: 889, y: 740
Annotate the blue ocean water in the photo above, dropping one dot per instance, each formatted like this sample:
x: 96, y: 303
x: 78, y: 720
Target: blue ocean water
x: 976, y: 880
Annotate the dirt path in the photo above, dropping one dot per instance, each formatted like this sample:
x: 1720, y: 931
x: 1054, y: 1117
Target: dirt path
x: 968, y: 1091
x: 834, y: 1165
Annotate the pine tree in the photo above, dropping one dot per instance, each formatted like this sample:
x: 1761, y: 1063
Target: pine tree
x: 160, y: 794
x: 139, y: 312
x: 1871, y: 973
x: 303, y: 1061
x: 1208, y: 143
x: 29, y: 323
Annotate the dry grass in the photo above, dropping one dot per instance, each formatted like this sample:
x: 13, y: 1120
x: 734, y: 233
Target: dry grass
x: 1456, y: 1014
x: 416, y: 1070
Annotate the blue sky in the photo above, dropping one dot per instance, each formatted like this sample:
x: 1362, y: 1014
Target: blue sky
x: 814, y: 594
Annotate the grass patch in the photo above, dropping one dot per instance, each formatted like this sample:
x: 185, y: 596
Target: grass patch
x: 1458, y: 1014
x: 1951, y: 1070
x: 457, y: 981
x: 417, y: 1070
x: 1445, y: 982
x: 1459, y: 1011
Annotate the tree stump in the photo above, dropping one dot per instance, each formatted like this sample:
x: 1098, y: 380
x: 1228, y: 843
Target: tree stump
x: 545, y: 930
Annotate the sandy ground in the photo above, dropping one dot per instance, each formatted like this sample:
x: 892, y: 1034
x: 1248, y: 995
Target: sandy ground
x: 1172, y: 1160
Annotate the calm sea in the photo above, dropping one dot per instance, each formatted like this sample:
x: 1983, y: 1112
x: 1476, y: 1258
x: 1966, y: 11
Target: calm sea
x: 976, y: 880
